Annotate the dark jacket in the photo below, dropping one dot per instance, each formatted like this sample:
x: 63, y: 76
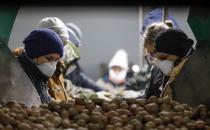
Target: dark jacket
x: 78, y: 78
x: 157, y: 80
x: 38, y: 79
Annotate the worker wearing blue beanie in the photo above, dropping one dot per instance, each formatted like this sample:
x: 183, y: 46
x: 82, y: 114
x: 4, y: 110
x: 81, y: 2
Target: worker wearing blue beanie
x: 42, y: 42
x: 42, y: 50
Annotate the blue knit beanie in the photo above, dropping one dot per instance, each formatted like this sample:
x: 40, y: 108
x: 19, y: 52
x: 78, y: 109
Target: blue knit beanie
x: 156, y: 16
x: 41, y: 42
x: 173, y: 41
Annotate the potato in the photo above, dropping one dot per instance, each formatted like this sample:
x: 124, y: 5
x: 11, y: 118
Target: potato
x: 152, y: 108
x: 133, y: 108
x: 79, y: 101
x: 149, y: 125
x: 74, y: 126
x: 190, y: 126
x: 48, y: 124
x: 66, y: 105
x: 39, y: 119
x: 126, y: 127
x: 72, y: 112
x: 82, y: 128
x: 124, y: 105
x: 123, y: 112
x: 19, y: 117
x: 136, y: 124
x: 118, y: 125
x: 141, y: 115
x: 157, y: 121
x: 64, y: 114
x: 148, y: 118
x: 199, y: 124
x: 81, y: 122
x: 9, y: 127
x: 98, y: 101
x: 35, y: 112
x: 44, y: 106
x: 84, y: 116
x: 152, y: 99
x: 165, y: 107
x: 188, y: 113
x: 5, y: 119
x: 92, y: 126
x: 165, y: 119
x: 86, y: 111
x: 171, y: 126
x: 90, y: 105
x: 115, y: 119
x: 1, y: 127
x: 52, y: 105
x: 108, y: 107
x: 131, y: 100
x: 124, y: 119
x: 109, y: 127
x: 13, y: 104
x: 161, y: 127
x: 95, y: 119
x: 203, y: 111
x: 178, y: 108
x: 140, y: 102
x: 38, y: 126
x: 24, y: 126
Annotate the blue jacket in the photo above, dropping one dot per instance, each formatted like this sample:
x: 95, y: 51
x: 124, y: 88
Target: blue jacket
x: 78, y: 78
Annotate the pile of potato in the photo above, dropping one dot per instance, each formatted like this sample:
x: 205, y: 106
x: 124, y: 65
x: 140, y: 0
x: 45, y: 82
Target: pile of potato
x: 119, y: 114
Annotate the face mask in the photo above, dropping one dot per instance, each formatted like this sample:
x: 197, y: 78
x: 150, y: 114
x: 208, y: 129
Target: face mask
x: 71, y: 53
x: 48, y: 69
x: 165, y: 66
x: 117, y: 77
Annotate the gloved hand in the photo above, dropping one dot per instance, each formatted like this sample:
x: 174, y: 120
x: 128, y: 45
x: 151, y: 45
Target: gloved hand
x: 104, y: 95
x: 131, y: 94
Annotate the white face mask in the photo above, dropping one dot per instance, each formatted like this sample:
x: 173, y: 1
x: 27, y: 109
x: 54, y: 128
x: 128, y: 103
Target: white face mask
x: 117, y: 77
x: 165, y: 66
x: 48, y: 68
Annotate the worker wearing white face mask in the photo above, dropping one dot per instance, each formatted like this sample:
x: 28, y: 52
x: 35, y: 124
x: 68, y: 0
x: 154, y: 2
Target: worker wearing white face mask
x: 60, y: 88
x: 56, y: 82
x: 115, y: 81
x: 42, y: 50
x: 172, y: 47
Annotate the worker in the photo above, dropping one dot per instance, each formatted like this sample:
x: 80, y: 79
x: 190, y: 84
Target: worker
x: 77, y: 76
x: 172, y: 49
x: 114, y: 82
x: 56, y: 82
x: 58, y: 85
x: 42, y: 50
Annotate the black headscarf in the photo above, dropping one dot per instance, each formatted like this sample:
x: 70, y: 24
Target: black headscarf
x: 174, y: 41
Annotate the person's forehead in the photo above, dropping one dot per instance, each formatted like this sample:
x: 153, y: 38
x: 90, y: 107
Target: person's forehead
x: 53, y: 55
x: 161, y: 54
x: 117, y: 67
